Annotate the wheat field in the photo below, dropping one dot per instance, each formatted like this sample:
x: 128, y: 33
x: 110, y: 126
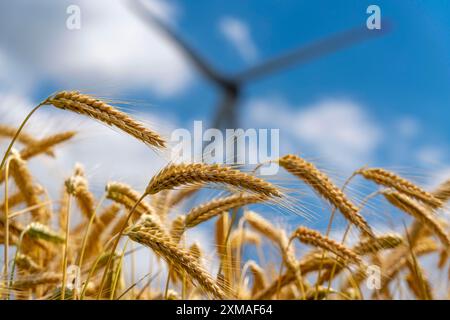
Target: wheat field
x: 78, y: 248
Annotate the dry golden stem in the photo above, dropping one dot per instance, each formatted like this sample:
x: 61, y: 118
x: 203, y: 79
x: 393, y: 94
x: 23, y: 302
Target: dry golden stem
x: 62, y: 212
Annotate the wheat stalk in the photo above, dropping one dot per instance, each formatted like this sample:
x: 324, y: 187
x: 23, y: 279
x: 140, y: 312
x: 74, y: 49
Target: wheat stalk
x: 24, y: 182
x: 177, y: 228
x: 392, y: 180
x: 308, y: 264
x: 312, y: 237
x: 240, y: 237
x: 279, y: 237
x: 25, y: 262
x: 221, y: 228
x: 443, y: 191
x: 174, y: 175
x: 46, y: 144
x: 322, y: 185
x: 416, y: 231
x: 182, y: 194
x: 99, y: 110
x: 34, y: 280
x: 265, y: 228
x: 195, y: 251
x: 395, y: 264
x: 365, y: 247
x: 77, y: 185
x: 24, y: 137
x: 150, y: 233
x: 259, y: 278
x: 18, y: 198
x: 416, y: 210
x: 374, y: 245
x: 123, y: 194
x: 418, y: 282
x: 214, y: 207
x: 37, y: 230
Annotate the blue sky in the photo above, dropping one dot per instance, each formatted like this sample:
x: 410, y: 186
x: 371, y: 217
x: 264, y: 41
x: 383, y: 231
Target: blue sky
x: 380, y: 102
x: 404, y: 75
x: 407, y: 71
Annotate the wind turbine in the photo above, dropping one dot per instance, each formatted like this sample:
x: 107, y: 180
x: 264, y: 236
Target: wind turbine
x: 231, y: 87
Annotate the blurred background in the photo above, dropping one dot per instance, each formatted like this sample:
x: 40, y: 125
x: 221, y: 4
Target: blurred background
x: 341, y: 98
x: 383, y: 100
x: 341, y: 95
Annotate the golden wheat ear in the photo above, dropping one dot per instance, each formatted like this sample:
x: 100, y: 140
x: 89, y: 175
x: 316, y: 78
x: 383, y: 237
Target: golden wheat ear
x: 392, y: 180
x: 24, y: 138
x: 322, y: 184
x: 150, y: 233
x: 312, y: 237
x: 126, y: 196
x: 215, y: 207
x: 24, y: 182
x: 89, y: 106
x: 176, y: 175
x: 419, y: 212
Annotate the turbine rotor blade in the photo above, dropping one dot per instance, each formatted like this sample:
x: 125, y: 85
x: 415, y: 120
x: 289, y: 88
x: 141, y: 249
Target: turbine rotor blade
x: 150, y: 19
x: 309, y: 52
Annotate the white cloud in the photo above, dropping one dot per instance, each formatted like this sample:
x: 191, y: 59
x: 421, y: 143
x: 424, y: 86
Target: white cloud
x: 430, y: 155
x: 338, y: 130
x: 106, y: 154
x: 112, y: 51
x: 437, y: 177
x: 407, y: 127
x: 238, y: 33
